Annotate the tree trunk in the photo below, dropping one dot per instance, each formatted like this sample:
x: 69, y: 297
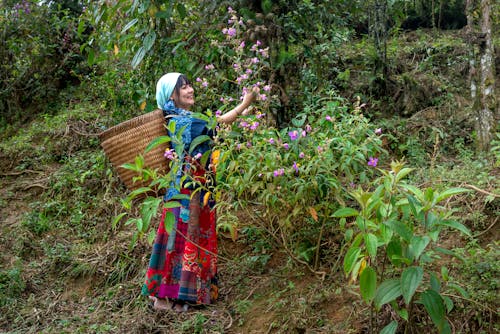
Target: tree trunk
x: 482, y: 71
x: 378, y: 31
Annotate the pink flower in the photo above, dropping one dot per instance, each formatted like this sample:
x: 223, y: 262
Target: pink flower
x: 301, y: 155
x: 378, y: 131
x: 267, y: 88
x: 197, y: 156
x: 286, y: 146
x: 279, y: 172
x: 372, y: 161
x: 271, y: 141
x: 294, y: 135
x: 209, y: 67
x: 328, y: 118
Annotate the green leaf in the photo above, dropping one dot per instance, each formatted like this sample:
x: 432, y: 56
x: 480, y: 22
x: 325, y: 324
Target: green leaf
x: 169, y: 221
x: 149, y: 41
x: 387, y: 292
x: 401, y: 229
x: 345, y: 212
x: 402, y: 173
x: 81, y: 27
x: 449, y: 303
x: 141, y: 52
x: 415, y: 191
x: 410, y: 280
x: 390, y: 328
x: 450, y: 192
x: 456, y: 225
x: 139, y: 223
x: 394, y: 251
x: 139, y: 191
x: 151, y: 236
x: 299, y: 120
x: 157, y: 141
x: 433, y: 303
x: 163, y: 14
x: 181, y: 10
x: 368, y: 284
x: 435, y: 283
x: 449, y: 252
x: 371, y: 244
x: 417, y: 246
x: 91, y: 57
x: 197, y: 141
x: 129, y: 25
x: 350, y: 259
x: 149, y: 208
x: 117, y: 219
x: 459, y: 289
x: 171, y: 204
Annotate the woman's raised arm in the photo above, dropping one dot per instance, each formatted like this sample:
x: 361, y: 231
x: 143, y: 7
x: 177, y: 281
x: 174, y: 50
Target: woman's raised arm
x: 231, y: 115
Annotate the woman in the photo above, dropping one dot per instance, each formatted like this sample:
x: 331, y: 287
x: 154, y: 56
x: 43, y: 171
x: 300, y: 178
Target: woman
x: 183, y: 264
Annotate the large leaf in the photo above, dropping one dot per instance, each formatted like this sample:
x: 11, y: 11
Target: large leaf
x: 390, y: 328
x: 345, y: 212
x: 169, y: 221
x: 149, y: 208
x: 368, y: 283
x: 350, y: 259
x: 139, y: 55
x: 400, y: 228
x: 433, y: 303
x: 197, y: 141
x: 417, y: 246
x: 149, y: 41
x: 410, y: 280
x: 371, y: 244
x: 128, y: 25
x: 450, y: 192
x: 456, y: 225
x: 157, y: 141
x: 387, y: 292
x: 402, y: 173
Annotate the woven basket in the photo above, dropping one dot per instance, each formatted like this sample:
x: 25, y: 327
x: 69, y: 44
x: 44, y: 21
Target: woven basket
x: 125, y: 141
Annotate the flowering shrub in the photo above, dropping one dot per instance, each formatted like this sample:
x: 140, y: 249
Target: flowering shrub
x: 301, y: 174
x: 242, y: 64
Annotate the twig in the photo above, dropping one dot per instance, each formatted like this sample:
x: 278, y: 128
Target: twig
x: 480, y: 190
x: 489, y: 227
x: 322, y: 274
x: 35, y: 185
x: 21, y: 172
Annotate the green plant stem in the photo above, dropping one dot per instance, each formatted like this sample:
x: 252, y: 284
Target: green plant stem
x: 318, y: 244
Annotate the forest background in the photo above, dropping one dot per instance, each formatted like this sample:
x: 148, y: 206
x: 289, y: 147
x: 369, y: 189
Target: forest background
x: 362, y: 195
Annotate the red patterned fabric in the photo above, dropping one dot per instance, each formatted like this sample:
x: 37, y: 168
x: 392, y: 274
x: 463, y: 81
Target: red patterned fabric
x: 183, y: 264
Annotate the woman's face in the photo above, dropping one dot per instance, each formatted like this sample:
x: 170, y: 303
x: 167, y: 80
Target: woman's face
x: 184, y: 98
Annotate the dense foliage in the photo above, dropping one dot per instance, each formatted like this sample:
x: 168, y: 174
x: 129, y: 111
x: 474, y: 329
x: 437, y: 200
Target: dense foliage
x: 335, y: 195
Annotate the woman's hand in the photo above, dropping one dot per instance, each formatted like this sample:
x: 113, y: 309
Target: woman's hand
x: 251, y: 96
x: 231, y: 116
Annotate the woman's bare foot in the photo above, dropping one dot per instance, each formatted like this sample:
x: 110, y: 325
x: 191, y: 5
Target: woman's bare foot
x: 180, y: 308
x: 160, y: 304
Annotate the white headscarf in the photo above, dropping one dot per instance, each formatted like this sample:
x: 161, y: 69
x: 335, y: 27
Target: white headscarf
x: 165, y: 87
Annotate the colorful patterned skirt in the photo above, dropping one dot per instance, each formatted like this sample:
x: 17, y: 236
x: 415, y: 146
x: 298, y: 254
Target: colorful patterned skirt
x: 183, y: 264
